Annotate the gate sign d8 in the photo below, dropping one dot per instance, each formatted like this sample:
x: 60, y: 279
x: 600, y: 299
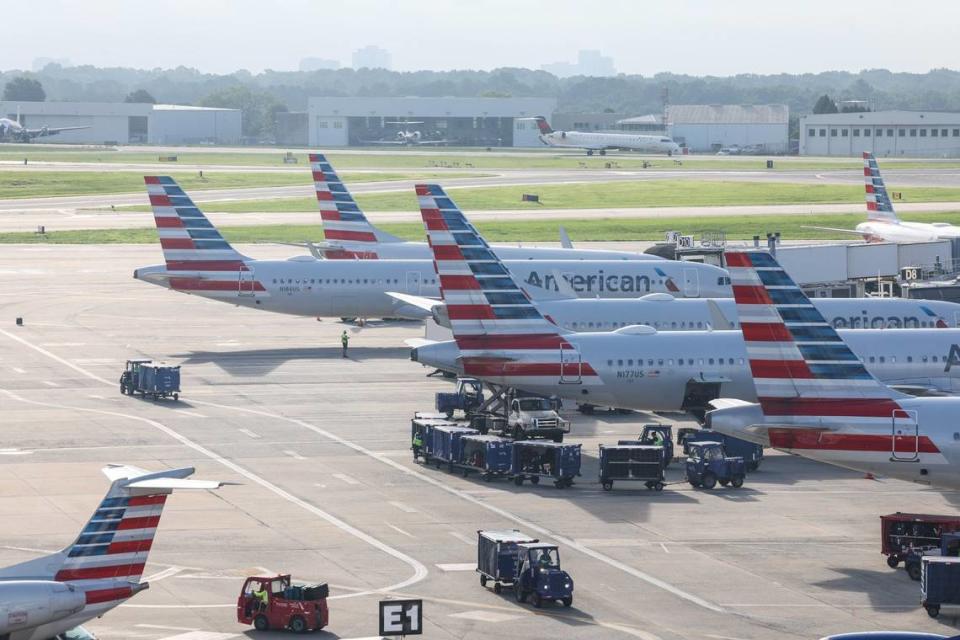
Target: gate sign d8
x: 401, y: 617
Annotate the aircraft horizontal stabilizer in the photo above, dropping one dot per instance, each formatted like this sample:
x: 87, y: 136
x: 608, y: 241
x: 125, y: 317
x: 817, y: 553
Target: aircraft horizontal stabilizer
x: 854, y: 232
x: 170, y: 479
x: 413, y: 343
x: 727, y: 403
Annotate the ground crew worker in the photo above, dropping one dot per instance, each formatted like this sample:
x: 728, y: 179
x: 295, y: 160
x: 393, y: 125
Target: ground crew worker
x: 263, y: 596
x: 345, y: 341
x: 417, y: 444
x: 658, y: 438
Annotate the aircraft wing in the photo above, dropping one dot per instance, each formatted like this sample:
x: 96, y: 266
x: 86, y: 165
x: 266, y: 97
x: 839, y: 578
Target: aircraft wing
x: 921, y: 391
x: 384, y: 142
x: 565, y: 241
x: 426, y: 143
x: 413, y: 343
x: 835, y: 229
x: 52, y: 131
x: 427, y: 304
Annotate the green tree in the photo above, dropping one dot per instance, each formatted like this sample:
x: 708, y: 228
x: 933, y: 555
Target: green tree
x: 140, y: 95
x: 258, y: 108
x: 825, y: 105
x: 24, y: 89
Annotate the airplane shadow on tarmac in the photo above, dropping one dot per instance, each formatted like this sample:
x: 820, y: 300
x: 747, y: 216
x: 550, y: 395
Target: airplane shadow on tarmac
x: 257, y: 362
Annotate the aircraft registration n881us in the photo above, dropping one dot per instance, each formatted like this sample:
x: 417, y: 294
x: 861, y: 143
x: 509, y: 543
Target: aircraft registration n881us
x: 201, y: 262
x: 501, y: 337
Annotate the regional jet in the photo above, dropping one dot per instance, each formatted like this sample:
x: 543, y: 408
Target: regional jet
x: 816, y: 396
x: 348, y: 234
x: 882, y: 223
x: 13, y: 131
x: 102, y: 569
x: 502, y: 338
x: 601, y: 142
x: 200, y: 261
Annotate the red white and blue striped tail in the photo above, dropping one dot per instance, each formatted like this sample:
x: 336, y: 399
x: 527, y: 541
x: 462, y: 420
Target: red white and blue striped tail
x: 343, y: 221
x: 499, y: 331
x: 879, y: 206
x: 108, y: 558
x: 802, y: 369
x: 189, y: 240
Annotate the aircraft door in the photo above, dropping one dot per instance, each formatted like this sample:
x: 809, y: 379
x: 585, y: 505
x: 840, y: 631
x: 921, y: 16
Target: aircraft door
x: 246, y: 283
x: 571, y: 364
x: 413, y: 282
x: 691, y: 283
x: 905, y: 436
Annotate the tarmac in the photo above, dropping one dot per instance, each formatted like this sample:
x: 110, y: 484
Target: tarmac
x: 327, y: 489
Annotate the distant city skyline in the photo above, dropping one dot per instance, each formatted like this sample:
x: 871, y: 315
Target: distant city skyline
x: 696, y: 37
x: 590, y: 62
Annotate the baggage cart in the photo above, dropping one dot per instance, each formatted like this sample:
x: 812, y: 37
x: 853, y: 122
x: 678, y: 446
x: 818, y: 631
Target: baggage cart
x: 150, y: 380
x: 535, y: 459
x: 445, y: 444
x: 904, y: 533
x: 488, y: 455
x: 939, y: 583
x: 421, y: 433
x: 497, y: 553
x: 639, y: 463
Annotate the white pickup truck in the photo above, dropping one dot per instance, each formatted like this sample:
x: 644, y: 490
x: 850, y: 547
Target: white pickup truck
x: 536, y: 417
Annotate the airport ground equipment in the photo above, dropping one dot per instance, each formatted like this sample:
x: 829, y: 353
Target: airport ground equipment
x: 421, y: 431
x: 707, y: 464
x: 535, y: 459
x: 904, y: 533
x: 148, y: 379
x: 536, y: 417
x: 467, y: 398
x: 949, y: 547
x: 487, y: 422
x: 751, y: 452
x: 939, y: 583
x: 632, y: 462
x: 294, y: 607
x: 649, y: 437
x: 539, y: 576
x: 489, y: 455
x: 497, y: 555
x: 446, y: 444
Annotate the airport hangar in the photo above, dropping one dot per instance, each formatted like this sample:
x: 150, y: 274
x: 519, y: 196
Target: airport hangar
x: 485, y: 122
x: 711, y: 127
x: 922, y: 134
x: 129, y: 123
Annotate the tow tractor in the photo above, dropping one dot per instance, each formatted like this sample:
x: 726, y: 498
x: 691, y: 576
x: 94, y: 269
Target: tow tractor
x: 299, y: 608
x: 707, y: 464
x: 539, y: 575
x: 467, y: 398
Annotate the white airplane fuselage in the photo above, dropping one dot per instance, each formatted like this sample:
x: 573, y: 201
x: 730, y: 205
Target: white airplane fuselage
x: 882, y: 231
x: 305, y: 286
x: 603, y: 141
x: 422, y: 251
x: 640, y: 368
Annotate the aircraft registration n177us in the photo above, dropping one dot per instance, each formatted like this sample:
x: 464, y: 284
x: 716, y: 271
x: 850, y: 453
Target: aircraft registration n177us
x: 198, y: 260
x: 816, y: 397
x: 501, y: 337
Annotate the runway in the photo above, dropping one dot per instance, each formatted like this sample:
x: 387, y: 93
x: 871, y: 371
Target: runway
x: 327, y: 488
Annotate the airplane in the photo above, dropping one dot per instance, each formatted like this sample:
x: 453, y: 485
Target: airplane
x: 407, y: 137
x: 819, y: 399
x: 666, y: 313
x: 601, y: 142
x: 14, y: 131
x: 47, y: 596
x: 348, y: 234
x: 882, y: 223
x: 502, y: 338
x: 198, y: 260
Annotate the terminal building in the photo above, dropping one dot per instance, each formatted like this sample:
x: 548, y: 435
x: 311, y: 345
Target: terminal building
x: 923, y: 134
x: 706, y: 128
x: 485, y: 122
x: 128, y: 123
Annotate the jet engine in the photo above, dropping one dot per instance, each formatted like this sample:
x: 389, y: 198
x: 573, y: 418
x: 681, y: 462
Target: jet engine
x: 25, y: 604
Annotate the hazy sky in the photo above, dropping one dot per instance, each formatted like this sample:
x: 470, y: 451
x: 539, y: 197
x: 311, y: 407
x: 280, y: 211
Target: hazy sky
x: 717, y: 37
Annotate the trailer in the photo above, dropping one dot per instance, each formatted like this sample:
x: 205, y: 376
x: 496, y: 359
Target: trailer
x: 631, y: 462
x: 421, y: 433
x: 150, y: 380
x: 535, y: 459
x: 497, y: 553
x: 446, y: 445
x: 658, y: 435
x: 902, y: 534
x: 939, y: 583
x: 488, y: 455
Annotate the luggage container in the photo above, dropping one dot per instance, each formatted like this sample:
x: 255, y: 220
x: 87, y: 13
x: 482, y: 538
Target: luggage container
x: 488, y: 455
x: 657, y: 435
x: 148, y: 379
x: 939, y: 583
x: 535, y: 459
x: 497, y: 553
x: 904, y: 533
x: 640, y: 463
x: 446, y: 444
x: 949, y: 546
x: 421, y: 433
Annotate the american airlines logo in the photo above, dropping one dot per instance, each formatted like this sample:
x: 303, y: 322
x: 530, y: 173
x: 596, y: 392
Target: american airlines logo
x: 952, y: 358
x: 598, y: 282
x: 877, y: 322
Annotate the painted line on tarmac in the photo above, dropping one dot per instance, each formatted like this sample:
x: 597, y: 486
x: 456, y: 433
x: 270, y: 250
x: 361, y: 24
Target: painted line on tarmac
x: 526, y: 524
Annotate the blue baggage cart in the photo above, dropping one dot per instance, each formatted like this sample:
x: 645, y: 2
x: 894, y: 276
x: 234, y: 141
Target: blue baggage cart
x: 497, y: 553
x: 939, y: 583
x: 446, y: 444
x: 421, y: 433
x: 148, y: 379
x: 640, y: 463
x: 751, y: 452
x: 490, y: 455
x: 535, y: 459
x: 707, y: 464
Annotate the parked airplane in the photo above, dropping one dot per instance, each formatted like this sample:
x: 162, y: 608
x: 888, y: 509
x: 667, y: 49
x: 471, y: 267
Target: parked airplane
x: 13, y: 131
x: 882, y: 223
x: 200, y: 261
x: 600, y: 142
x: 407, y: 137
x: 102, y: 568
x: 818, y: 399
x: 348, y: 234
x: 666, y: 313
x: 501, y: 337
